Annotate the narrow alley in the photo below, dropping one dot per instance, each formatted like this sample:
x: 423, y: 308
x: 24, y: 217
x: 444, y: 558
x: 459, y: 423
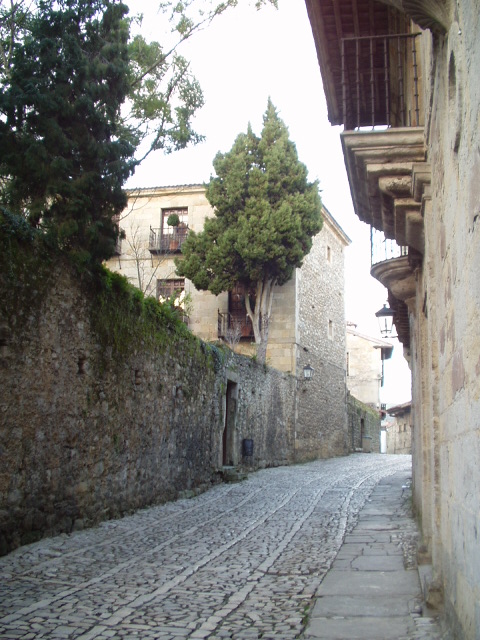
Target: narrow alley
x: 243, y: 560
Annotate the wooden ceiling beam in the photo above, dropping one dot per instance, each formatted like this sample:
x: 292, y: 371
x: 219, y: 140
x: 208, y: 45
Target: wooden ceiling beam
x: 356, y: 23
x: 338, y: 19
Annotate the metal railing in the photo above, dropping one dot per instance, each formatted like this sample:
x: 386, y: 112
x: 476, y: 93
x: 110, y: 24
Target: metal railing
x: 384, y: 249
x: 161, y: 242
x: 380, y: 81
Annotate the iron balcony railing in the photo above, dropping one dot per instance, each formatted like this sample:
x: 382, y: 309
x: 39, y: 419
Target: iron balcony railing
x: 380, y: 81
x: 162, y: 242
x: 384, y: 249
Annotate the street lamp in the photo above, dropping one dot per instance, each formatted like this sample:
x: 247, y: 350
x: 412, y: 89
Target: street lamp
x: 308, y: 372
x: 385, y: 321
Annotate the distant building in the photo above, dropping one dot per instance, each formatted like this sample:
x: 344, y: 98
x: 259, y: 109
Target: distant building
x: 365, y: 375
x: 399, y: 428
x: 365, y: 365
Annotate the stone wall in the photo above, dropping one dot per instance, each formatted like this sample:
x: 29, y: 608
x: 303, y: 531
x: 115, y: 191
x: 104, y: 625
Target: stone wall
x: 321, y: 407
x: 363, y: 422
x: 444, y: 324
x: 89, y: 433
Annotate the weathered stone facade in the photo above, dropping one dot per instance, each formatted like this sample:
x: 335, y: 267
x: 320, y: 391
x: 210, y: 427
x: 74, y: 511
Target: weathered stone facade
x: 308, y: 312
x: 445, y: 349
x: 417, y: 181
x: 321, y: 406
x: 88, y: 434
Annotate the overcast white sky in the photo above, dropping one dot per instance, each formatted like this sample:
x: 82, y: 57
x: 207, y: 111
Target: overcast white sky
x: 240, y: 60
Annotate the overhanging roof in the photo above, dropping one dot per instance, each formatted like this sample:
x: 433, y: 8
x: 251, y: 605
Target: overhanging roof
x: 332, y: 20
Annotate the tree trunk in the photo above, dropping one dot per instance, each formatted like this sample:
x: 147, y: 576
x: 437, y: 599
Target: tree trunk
x: 260, y: 315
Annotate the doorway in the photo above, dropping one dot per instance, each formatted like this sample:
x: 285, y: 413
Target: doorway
x: 228, y: 440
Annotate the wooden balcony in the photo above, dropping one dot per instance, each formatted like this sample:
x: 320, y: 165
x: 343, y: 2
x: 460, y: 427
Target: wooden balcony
x: 380, y: 85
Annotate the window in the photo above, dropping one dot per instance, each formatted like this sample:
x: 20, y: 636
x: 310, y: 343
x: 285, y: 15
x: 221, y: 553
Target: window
x: 167, y: 288
x: 235, y: 324
x: 182, y: 214
x: 118, y: 245
x: 330, y: 329
x: 174, y: 236
x: 329, y: 254
x: 237, y: 311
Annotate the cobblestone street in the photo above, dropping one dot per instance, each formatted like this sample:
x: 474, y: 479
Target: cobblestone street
x: 242, y: 560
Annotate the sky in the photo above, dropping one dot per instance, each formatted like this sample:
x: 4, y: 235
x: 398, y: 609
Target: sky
x: 243, y: 58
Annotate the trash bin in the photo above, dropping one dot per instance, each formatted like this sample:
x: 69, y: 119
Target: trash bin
x: 247, y: 446
x: 367, y: 444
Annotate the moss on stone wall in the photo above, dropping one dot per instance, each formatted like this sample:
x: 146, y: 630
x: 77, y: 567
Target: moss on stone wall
x: 25, y: 271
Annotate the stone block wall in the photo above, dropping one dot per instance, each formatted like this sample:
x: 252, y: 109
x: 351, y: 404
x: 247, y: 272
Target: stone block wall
x: 321, y: 406
x: 88, y: 433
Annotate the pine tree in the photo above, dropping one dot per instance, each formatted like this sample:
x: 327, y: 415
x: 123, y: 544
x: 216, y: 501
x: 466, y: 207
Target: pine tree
x: 63, y: 159
x: 266, y: 213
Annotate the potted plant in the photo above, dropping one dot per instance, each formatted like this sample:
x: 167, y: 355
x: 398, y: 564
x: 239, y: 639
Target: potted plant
x: 173, y: 221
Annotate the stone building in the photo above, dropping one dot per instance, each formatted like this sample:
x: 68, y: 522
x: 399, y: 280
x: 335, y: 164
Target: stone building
x: 365, y: 366
x: 399, y: 428
x: 307, y: 328
x: 402, y: 78
x: 365, y: 376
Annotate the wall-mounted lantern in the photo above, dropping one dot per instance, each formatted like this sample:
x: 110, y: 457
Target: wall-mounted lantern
x: 385, y: 321
x: 308, y: 372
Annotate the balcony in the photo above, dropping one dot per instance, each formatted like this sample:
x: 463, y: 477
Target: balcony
x: 370, y: 70
x: 380, y: 85
x: 232, y: 327
x: 118, y: 246
x: 383, y: 141
x: 384, y: 149
x: 395, y: 267
x: 166, y: 242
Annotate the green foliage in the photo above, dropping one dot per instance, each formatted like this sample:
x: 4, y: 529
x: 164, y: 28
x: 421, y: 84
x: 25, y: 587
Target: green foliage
x: 266, y: 213
x: 63, y: 158
x: 78, y: 96
x: 125, y: 319
x: 173, y: 220
x: 164, y: 97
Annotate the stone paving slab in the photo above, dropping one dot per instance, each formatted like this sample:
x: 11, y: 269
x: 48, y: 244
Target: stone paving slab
x: 337, y: 583
x: 378, y: 563
x: 370, y: 593
x: 373, y: 628
x: 360, y: 605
